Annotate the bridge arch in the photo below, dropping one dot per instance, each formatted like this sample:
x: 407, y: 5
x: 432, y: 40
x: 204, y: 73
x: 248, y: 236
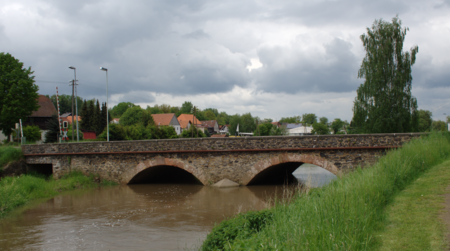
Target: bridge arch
x: 286, y: 162
x: 160, y: 164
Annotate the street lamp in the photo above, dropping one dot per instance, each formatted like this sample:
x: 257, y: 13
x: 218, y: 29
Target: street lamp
x: 107, y: 117
x: 76, y: 99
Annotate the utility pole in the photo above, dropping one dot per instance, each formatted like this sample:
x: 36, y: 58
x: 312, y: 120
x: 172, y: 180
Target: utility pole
x: 73, y: 90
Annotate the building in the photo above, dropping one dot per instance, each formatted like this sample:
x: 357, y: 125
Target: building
x: 42, y: 115
x: 167, y: 119
x: 68, y: 119
x: 223, y: 129
x: 115, y: 120
x: 186, y: 120
x: 212, y: 126
x: 298, y: 131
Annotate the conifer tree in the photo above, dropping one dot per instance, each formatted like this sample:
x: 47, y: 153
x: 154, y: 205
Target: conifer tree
x: 85, y: 118
x: 90, y: 114
x: 97, y: 123
x: 384, y: 103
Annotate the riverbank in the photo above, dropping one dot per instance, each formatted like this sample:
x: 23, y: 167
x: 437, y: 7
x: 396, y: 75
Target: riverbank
x: 9, y: 154
x: 18, y: 191
x: 347, y: 214
x: 416, y: 219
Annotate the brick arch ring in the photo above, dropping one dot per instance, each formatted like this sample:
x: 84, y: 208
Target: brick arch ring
x: 161, y: 161
x: 286, y: 158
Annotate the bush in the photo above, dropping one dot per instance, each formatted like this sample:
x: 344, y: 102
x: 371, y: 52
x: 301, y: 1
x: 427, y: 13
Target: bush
x: 32, y: 133
x: 116, y: 132
x: 9, y: 154
x: 188, y: 133
x: 243, y: 225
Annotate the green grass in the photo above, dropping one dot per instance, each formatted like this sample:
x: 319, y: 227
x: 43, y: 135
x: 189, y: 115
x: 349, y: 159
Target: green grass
x: 413, y: 219
x: 345, y: 215
x: 9, y: 154
x: 18, y: 191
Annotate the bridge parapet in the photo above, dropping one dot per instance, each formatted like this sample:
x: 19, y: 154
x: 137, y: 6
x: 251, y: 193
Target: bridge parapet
x: 226, y: 144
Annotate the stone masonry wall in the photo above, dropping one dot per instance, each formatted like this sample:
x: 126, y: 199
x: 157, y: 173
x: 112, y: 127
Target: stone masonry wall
x: 211, y: 167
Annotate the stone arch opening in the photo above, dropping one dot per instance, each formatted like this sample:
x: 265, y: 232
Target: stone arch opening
x: 43, y: 169
x: 279, y: 168
x: 164, y: 174
x: 280, y: 174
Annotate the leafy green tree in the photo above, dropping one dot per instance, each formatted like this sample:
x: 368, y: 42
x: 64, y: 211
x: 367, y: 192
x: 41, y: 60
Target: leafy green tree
x: 134, y: 132
x: 154, y: 110
x: 439, y: 125
x: 168, y: 132
x: 319, y: 128
x: 192, y: 133
x: 209, y: 115
x: 337, y: 125
x: 200, y: 115
x: 223, y: 118
x: 323, y: 120
x: 425, y: 120
x: 85, y: 116
x: 247, y: 123
x: 116, y: 132
x: 65, y: 103
x: 213, y: 110
x: 384, y: 103
x: 309, y: 118
x: 32, y: 133
x: 292, y: 120
x: 263, y: 129
x: 186, y: 108
x: 97, y: 120
x: 18, y: 93
x: 132, y: 116
x: 176, y: 110
x: 121, y: 108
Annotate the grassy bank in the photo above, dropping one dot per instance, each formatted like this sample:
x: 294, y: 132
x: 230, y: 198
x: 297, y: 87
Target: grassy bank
x: 17, y: 191
x: 344, y: 215
x: 9, y: 154
x: 413, y: 219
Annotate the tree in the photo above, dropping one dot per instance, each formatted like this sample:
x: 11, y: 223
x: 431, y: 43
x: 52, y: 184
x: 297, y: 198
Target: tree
x: 323, y: 120
x: 425, y: 120
x: 293, y: 120
x: 384, y: 103
x: 337, y: 125
x: 309, y: 118
x: 186, y: 108
x: 53, y: 129
x: 32, y: 133
x: 439, y: 125
x: 263, y: 129
x: 18, y: 93
x: 97, y: 121
x: 319, y: 128
x: 209, y: 115
x: 121, y: 108
x: 65, y: 103
x: 132, y: 116
x: 192, y: 132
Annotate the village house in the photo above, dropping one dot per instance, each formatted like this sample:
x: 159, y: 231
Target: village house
x: 167, y: 119
x: 186, y: 120
x: 212, y: 126
x: 42, y: 115
x: 223, y: 129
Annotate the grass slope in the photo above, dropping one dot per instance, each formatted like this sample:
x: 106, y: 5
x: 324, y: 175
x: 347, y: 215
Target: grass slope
x: 344, y: 215
x: 9, y: 154
x: 17, y: 191
x: 413, y: 219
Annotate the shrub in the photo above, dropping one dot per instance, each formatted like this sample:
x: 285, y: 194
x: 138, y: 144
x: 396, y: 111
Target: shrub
x: 9, y: 154
x: 116, y: 132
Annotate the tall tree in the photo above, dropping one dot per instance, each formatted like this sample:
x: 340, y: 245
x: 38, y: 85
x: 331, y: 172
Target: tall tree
x: 337, y: 125
x: 309, y: 118
x: 85, y: 116
x: 425, y: 120
x: 323, y: 120
x: 121, y: 108
x: 18, y: 93
x: 96, y: 120
x: 384, y: 102
x: 186, y: 108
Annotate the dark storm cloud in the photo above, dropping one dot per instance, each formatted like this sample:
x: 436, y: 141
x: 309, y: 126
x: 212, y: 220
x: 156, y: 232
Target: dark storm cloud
x: 292, y: 71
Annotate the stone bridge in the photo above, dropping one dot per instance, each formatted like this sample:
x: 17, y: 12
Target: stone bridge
x: 244, y: 160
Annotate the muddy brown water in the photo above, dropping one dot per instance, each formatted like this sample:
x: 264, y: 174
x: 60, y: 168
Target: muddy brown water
x: 134, y: 217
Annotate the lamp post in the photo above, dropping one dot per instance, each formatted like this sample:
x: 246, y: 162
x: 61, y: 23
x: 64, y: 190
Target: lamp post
x: 76, y: 98
x: 107, y: 116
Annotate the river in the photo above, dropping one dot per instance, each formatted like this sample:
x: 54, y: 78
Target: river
x: 138, y: 217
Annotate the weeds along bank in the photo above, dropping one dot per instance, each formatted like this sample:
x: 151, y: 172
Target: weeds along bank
x: 341, y: 216
x: 17, y: 191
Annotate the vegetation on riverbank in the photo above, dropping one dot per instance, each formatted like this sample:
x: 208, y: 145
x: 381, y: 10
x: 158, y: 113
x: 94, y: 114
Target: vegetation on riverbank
x: 9, y: 154
x: 413, y: 219
x: 345, y: 215
x: 17, y: 191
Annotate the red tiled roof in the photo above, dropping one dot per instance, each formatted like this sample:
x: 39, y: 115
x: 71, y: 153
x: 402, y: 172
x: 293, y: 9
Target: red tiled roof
x: 210, y: 123
x: 189, y: 117
x: 69, y: 118
x: 219, y: 136
x: 47, y: 108
x: 163, y: 119
x: 184, y: 123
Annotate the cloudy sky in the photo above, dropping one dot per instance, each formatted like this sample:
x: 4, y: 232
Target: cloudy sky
x: 271, y: 58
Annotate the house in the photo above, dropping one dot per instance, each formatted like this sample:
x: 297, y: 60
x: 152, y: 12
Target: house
x: 186, y: 120
x: 115, y: 120
x: 302, y: 130
x: 212, y: 125
x: 68, y: 119
x: 291, y: 125
x: 277, y: 124
x: 167, y: 119
x: 223, y: 129
x: 42, y: 115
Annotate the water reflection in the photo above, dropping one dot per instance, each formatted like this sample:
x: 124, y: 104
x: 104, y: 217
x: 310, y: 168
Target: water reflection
x: 135, y: 217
